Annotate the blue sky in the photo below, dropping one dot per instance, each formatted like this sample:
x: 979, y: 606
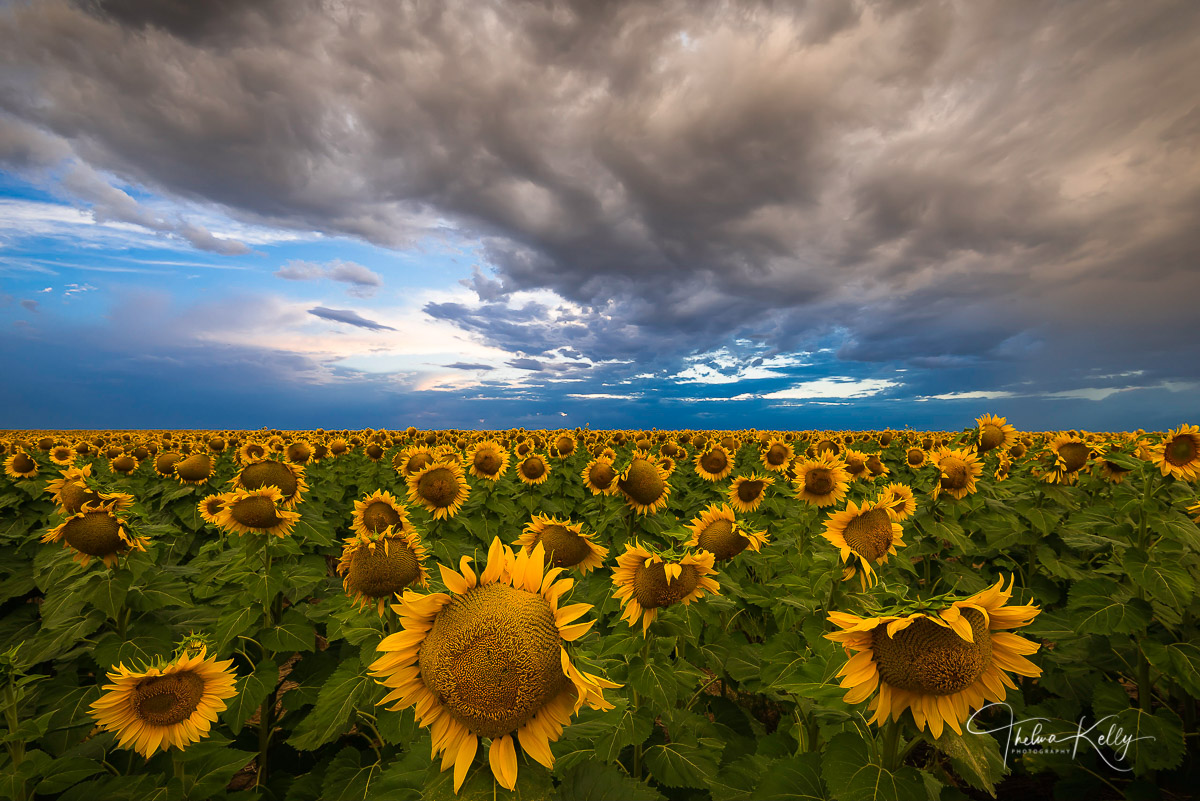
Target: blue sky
x: 667, y: 215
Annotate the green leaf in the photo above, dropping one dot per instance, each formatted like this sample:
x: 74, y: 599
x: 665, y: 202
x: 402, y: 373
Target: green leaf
x: 348, y: 688
x: 110, y: 592
x: 235, y: 622
x: 682, y: 764
x: 401, y: 779
x: 67, y: 771
x: 975, y: 757
x: 294, y: 633
x: 252, y: 691
x: 533, y: 783
x: 1179, y: 661
x: 658, y: 683
x: 1101, y: 607
x: 1167, y: 583
x: 595, y: 781
x: 347, y: 778
x: 851, y: 773
x: 797, y: 777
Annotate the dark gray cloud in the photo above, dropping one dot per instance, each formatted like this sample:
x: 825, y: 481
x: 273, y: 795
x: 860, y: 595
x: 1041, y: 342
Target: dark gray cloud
x: 349, y: 318
x: 29, y: 305
x: 467, y: 366
x: 951, y: 185
x: 363, y: 281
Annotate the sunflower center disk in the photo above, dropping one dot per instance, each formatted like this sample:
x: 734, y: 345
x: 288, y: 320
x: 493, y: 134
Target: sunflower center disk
x: 74, y: 495
x: 492, y: 658
x: 643, y: 483
x: 487, y: 462
x: 564, y: 547
x: 533, y: 467
x: 439, y: 487
x: 855, y: 466
x: 927, y: 658
x: 23, y: 464
x: 602, y: 475
x: 255, y: 512
x: 870, y: 534
x: 749, y: 491
x: 956, y: 474
x: 379, y: 516
x: 1181, y: 451
x: 268, y: 474
x: 721, y: 540
x: 915, y: 457
x: 1074, y: 455
x: 194, y: 468
x: 819, y: 481
x: 652, y: 591
x: 377, y: 574
x: 95, y: 534
x: 991, y: 437
x: 776, y: 455
x: 166, y: 462
x: 714, y: 462
x: 168, y: 700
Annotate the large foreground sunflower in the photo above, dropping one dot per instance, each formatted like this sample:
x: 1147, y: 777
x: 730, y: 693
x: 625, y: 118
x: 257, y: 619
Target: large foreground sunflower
x: 20, y: 465
x: 1179, y: 453
x: 646, y: 582
x: 940, y: 660
x: 864, y: 536
x: 487, y: 659
x: 377, y: 565
x: 287, y: 477
x: 1068, y: 454
x: 644, y: 485
x: 717, y: 531
x: 565, y: 543
x: 440, y: 487
x: 160, y: 707
x: 255, y: 511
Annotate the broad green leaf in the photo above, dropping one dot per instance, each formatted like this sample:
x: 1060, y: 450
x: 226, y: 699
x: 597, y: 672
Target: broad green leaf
x: 852, y: 774
x: 796, y: 778
x: 347, y: 689
x: 1165, y: 582
x: 252, y: 691
x: 680, y: 764
x: 1179, y: 661
x: 595, y: 781
x: 975, y: 757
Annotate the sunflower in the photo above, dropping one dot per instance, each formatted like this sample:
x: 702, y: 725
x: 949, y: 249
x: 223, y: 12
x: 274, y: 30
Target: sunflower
x: 646, y: 582
x: 210, y: 508
x: 644, y: 485
x: 533, y: 469
x: 71, y: 491
x: 20, y: 465
x: 287, y: 478
x: 488, y: 460
x: 1179, y: 453
x: 717, y: 531
x: 123, y: 464
x: 916, y: 457
x: 746, y: 493
x: 195, y: 469
x: 876, y: 467
x: 958, y: 470
x: 822, y: 481
x: 856, y: 463
x: 487, y: 659
x: 1070, y: 454
x: 940, y: 660
x: 565, y: 444
x: 251, y: 452
x: 379, y: 564
x: 899, y: 499
x: 338, y: 447
x: 600, y: 477
x: 440, y: 487
x: 864, y: 535
x: 995, y: 433
x: 714, y: 463
x: 62, y: 455
x: 1111, y: 470
x: 378, y: 511
x: 298, y: 452
x: 256, y: 511
x: 777, y: 456
x: 1004, y: 468
x: 565, y: 543
x: 164, y: 463
x: 159, y: 707
x: 411, y: 461
x: 96, y: 531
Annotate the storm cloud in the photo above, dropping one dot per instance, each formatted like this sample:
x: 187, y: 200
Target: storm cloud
x: 995, y: 192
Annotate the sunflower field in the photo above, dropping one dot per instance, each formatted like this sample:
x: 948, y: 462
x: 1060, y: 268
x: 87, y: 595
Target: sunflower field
x: 603, y: 615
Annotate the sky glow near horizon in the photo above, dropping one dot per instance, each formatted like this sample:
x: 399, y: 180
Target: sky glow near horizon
x: 844, y: 215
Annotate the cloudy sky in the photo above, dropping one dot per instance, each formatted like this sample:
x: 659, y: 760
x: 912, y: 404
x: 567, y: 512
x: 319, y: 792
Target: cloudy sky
x: 823, y: 214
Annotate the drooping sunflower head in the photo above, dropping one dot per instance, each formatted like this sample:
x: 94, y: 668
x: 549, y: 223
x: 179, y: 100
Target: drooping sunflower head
x: 746, y: 493
x: 210, y: 508
x: 378, y: 511
x: 717, y: 531
x: 440, y: 487
x: 1178, y: 454
x: 644, y: 485
x: 647, y: 582
x: 994, y: 433
x: 287, y: 478
x: 256, y: 511
x: 488, y: 659
x: 564, y: 543
x: 940, y: 658
x: 899, y: 500
x: 123, y: 464
x: 299, y: 452
x: 600, y: 477
x: 164, y: 463
x: 856, y: 463
x: 97, y: 532
x: 251, y: 451
x: 864, y: 536
x: 195, y: 469
x: 62, y: 455
x: 71, y: 491
x: 958, y: 470
x: 488, y: 460
x: 713, y: 463
x: 168, y: 706
x: 378, y: 565
x: 776, y: 456
x: 822, y: 481
x: 533, y: 469
x: 20, y: 465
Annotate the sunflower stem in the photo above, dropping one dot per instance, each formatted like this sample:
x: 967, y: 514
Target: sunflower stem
x: 891, y: 740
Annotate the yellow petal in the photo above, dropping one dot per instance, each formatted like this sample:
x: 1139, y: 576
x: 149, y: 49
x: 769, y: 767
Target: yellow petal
x: 453, y: 581
x: 466, y: 755
x: 503, y: 758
